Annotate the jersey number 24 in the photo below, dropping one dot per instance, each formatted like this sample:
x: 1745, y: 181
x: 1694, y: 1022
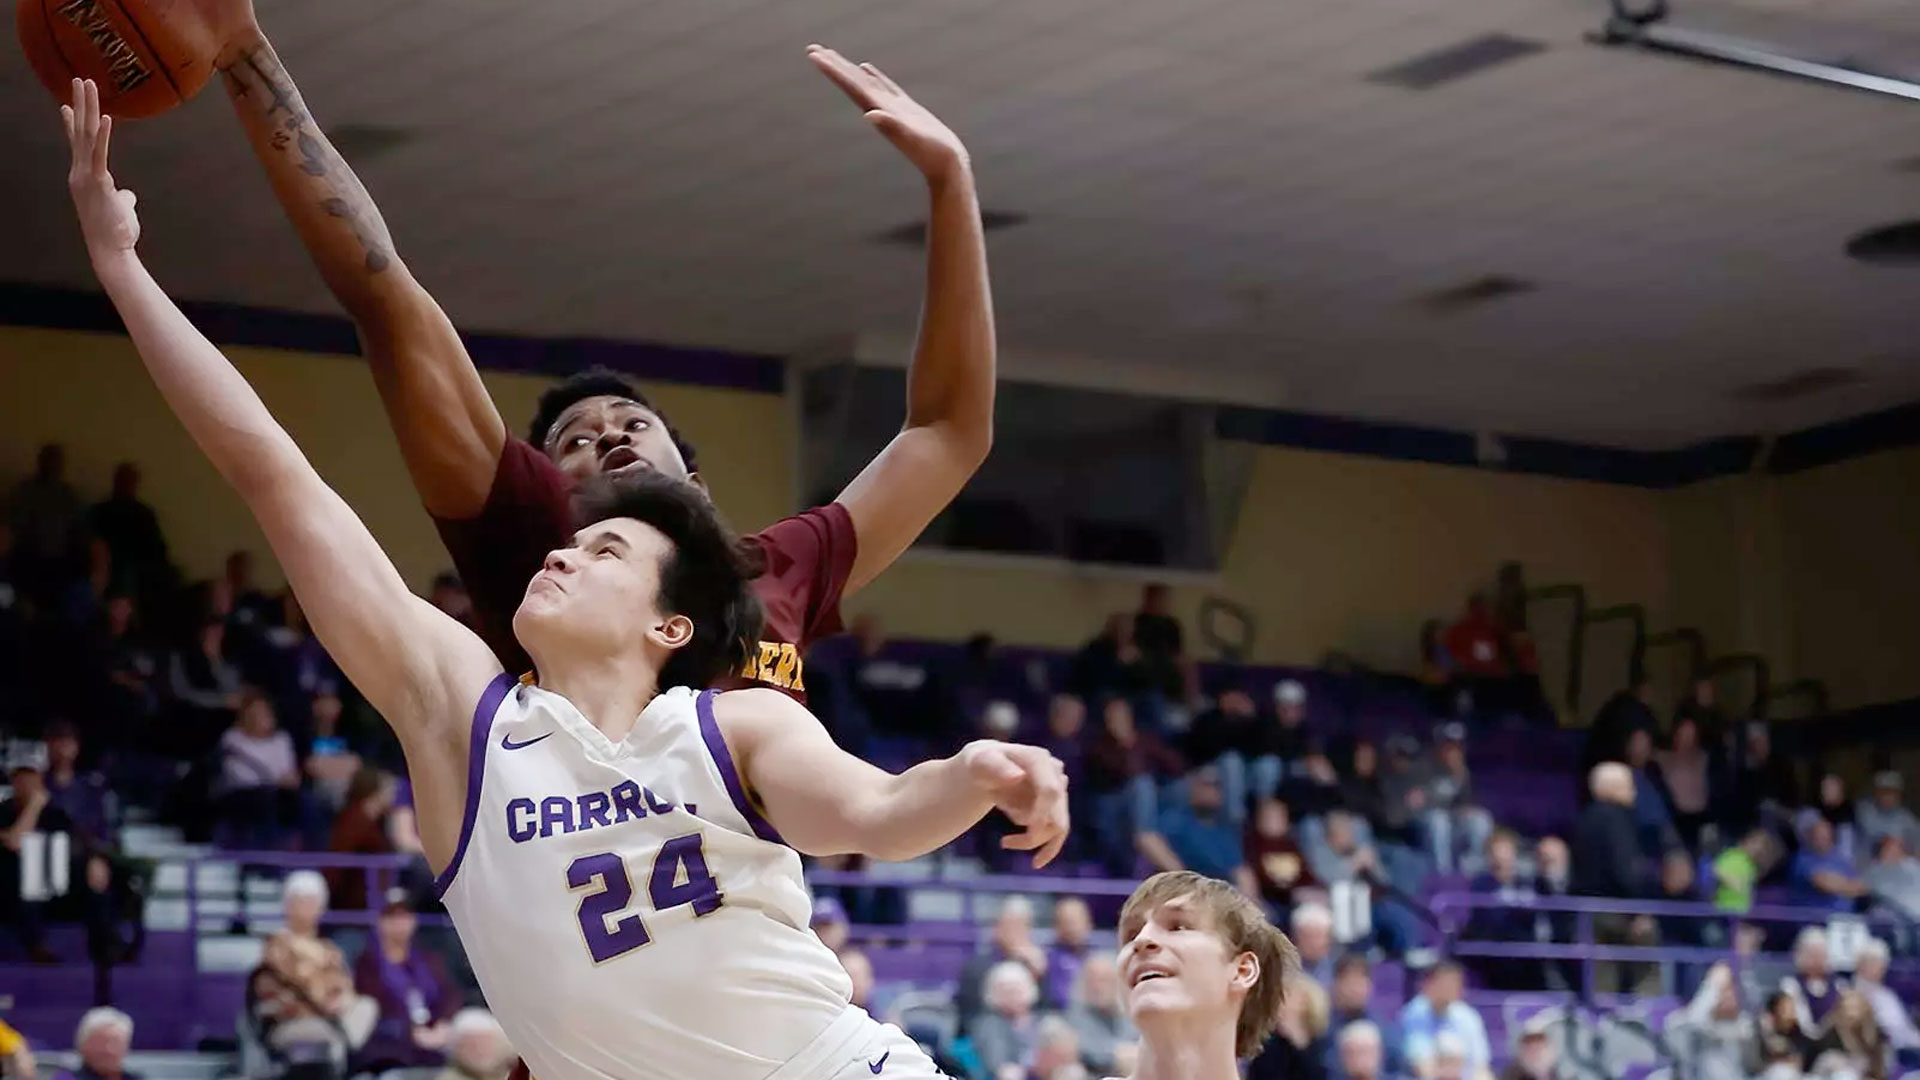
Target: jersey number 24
x: 679, y: 876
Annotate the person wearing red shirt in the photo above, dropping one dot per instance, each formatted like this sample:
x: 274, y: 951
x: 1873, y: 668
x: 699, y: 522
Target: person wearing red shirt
x: 501, y: 502
x: 1475, y: 641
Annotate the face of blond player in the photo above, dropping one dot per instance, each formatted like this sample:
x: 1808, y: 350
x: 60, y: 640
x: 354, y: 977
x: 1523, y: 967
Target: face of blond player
x: 608, y: 434
x: 584, y: 600
x: 1176, y: 965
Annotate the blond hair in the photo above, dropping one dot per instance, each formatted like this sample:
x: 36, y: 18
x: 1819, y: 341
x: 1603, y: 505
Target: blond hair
x: 1245, y: 930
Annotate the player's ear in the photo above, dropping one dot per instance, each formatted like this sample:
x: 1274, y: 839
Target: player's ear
x: 673, y: 632
x: 1246, y: 971
x: 698, y: 481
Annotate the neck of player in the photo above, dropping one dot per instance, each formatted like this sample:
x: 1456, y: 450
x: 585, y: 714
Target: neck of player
x: 609, y: 690
x: 1188, y: 1048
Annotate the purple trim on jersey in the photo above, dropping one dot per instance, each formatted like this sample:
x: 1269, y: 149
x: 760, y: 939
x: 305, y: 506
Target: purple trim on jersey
x: 717, y: 746
x: 483, y: 714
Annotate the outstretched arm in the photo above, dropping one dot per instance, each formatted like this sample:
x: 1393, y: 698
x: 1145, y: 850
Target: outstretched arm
x: 449, y: 431
x: 949, y: 426
x: 825, y: 801
x: 413, y: 663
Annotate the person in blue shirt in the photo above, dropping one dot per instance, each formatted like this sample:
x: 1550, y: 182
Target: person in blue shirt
x: 1821, y: 876
x: 1200, y: 835
x: 1440, y: 1011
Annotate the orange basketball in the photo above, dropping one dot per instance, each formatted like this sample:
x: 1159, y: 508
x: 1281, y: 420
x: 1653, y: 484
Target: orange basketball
x: 146, y: 55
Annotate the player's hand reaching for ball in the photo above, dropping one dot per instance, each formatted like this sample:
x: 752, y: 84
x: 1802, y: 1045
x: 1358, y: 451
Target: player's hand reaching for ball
x: 1027, y: 784
x: 106, y: 212
x: 930, y: 144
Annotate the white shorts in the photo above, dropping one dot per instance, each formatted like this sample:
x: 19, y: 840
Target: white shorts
x: 858, y: 1047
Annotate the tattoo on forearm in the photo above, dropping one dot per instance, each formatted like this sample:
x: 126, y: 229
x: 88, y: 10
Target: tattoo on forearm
x: 259, y: 79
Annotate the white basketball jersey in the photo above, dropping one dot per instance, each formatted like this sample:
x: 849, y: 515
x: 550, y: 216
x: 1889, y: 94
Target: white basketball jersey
x: 629, y: 913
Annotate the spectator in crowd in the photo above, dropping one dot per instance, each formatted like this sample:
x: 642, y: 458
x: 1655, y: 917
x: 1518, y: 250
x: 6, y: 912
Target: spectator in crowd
x: 33, y: 887
x: 1056, y: 1050
x: 1098, y: 1014
x: 1475, y: 641
x: 302, y: 997
x: 1362, y: 790
x: 1833, y: 807
x: 1679, y: 885
x: 1299, y: 1047
x: 1889, y: 1012
x: 1312, y: 928
x: 1457, y: 829
x: 122, y: 670
x: 1312, y: 785
x: 102, y: 1040
x: 1652, y: 818
x: 859, y: 969
x: 1685, y: 769
x: 1701, y: 706
x: 1072, y: 944
x: 1850, y: 1044
x: 1450, y: 1061
x: 1821, y: 876
x: 1403, y: 788
x: 1274, y: 855
x: 1360, y: 1049
x: 1231, y: 737
x: 331, y: 763
x: 1813, y: 986
x: 1007, y: 1032
x: 1289, y: 737
x: 259, y: 777
x: 1779, y: 1047
x: 830, y: 923
x: 1624, y: 713
x: 205, y: 688
x: 1538, y: 1057
x: 1606, y: 864
x: 893, y: 694
x: 1712, y: 1037
x: 1198, y: 836
x: 1012, y: 941
x: 478, y: 1049
x: 82, y: 793
x: 1352, y: 1003
x: 1109, y: 665
x: 416, y: 1000
x: 1893, y: 880
x: 1763, y: 786
x: 1125, y: 767
x: 1066, y: 741
x: 253, y: 609
x: 1341, y: 857
x: 1737, y: 871
x: 1513, y: 920
x: 131, y: 532
x: 1162, y: 644
x: 1883, y: 815
x: 1438, y: 669
x: 43, y: 512
x: 1438, y: 1012
x: 1553, y: 877
x: 16, y: 1057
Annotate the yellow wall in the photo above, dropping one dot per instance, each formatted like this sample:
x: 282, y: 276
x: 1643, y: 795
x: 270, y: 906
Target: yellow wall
x: 1330, y: 551
x: 89, y: 392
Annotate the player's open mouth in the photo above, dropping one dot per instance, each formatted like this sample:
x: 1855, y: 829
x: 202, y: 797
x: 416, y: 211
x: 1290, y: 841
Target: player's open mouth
x: 1150, y: 973
x: 620, y: 457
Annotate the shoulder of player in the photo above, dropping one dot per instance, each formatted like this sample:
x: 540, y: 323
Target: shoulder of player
x: 747, y: 715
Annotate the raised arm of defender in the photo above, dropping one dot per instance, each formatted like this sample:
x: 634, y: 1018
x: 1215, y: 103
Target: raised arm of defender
x: 421, y: 669
x: 449, y: 431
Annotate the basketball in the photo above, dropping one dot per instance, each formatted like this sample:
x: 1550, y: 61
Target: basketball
x: 146, y: 55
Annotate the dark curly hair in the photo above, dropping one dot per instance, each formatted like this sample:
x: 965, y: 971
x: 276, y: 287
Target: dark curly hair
x: 705, y: 578
x: 598, y: 382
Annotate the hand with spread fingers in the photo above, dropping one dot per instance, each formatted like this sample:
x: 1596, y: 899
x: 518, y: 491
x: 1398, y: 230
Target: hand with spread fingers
x: 1029, y: 785
x: 926, y: 141
x: 106, y: 212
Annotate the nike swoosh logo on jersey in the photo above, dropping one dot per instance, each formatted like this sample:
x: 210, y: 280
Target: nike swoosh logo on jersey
x: 507, y: 743
x: 876, y: 1066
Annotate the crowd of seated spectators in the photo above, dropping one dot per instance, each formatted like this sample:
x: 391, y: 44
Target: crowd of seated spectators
x: 211, y: 706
